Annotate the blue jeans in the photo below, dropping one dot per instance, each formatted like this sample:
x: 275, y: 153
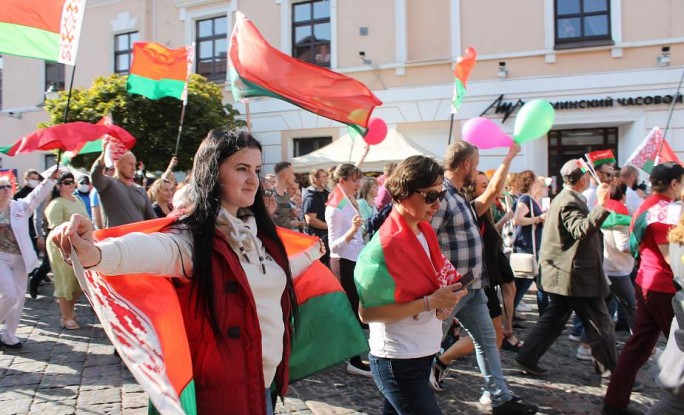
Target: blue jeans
x: 269, y: 402
x: 473, y: 314
x: 404, y: 384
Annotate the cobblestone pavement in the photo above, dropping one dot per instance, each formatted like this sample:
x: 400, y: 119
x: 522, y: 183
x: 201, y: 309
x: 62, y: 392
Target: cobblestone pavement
x: 75, y: 372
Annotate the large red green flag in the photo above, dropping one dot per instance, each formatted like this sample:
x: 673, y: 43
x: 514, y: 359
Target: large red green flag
x: 45, y: 29
x: 157, y: 71
x: 142, y: 317
x: 259, y: 69
x: 393, y: 267
x: 464, y: 65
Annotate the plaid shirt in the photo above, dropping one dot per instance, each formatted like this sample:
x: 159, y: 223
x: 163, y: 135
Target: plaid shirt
x: 455, y: 224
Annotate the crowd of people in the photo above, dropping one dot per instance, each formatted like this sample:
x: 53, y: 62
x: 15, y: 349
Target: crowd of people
x: 429, y: 255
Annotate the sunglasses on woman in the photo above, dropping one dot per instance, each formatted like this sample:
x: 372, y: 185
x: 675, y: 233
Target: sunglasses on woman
x: 67, y: 182
x: 5, y: 187
x: 432, y: 196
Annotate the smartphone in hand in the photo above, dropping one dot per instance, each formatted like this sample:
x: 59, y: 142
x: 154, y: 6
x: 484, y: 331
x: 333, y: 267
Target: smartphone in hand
x: 466, y: 280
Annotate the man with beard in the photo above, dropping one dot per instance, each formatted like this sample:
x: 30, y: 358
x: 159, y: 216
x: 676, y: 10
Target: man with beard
x: 459, y: 236
x: 122, y: 200
x: 629, y: 175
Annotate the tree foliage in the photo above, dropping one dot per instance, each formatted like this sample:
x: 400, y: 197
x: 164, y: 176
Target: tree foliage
x: 154, y: 123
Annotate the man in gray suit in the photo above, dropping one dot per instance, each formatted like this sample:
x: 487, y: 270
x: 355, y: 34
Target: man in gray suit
x: 571, y: 260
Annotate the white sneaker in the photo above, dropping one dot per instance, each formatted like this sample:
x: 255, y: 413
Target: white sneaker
x: 523, y: 307
x: 486, y: 398
x: 574, y: 338
x: 583, y: 354
x: 353, y: 370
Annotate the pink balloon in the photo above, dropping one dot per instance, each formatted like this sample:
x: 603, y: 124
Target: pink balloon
x: 377, y: 131
x: 485, y: 133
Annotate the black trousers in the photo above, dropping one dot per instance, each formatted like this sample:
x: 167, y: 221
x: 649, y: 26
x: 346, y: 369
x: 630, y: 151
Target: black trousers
x: 593, y: 313
x: 344, y: 271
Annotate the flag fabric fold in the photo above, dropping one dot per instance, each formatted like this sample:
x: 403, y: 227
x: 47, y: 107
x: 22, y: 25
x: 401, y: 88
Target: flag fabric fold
x: 619, y: 215
x: 142, y: 317
x: 654, y: 209
x: 652, y: 151
x: 157, y: 71
x: 464, y: 65
x: 46, y: 29
x: 392, y: 268
x: 259, y: 69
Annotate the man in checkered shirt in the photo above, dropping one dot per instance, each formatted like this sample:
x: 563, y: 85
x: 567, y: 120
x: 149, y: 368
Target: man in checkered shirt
x: 458, y: 232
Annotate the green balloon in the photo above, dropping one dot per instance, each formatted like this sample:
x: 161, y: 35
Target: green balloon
x: 534, y: 120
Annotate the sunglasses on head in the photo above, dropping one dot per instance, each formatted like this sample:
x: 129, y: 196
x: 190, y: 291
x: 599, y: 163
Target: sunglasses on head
x: 269, y: 192
x: 432, y: 196
x: 67, y: 182
x: 5, y: 186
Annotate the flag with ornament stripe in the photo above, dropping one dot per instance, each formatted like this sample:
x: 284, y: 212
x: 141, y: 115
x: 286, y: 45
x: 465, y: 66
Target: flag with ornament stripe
x: 258, y: 69
x: 394, y: 267
x: 654, y: 209
x: 45, y: 29
x: 142, y: 317
x: 653, y: 150
x: 464, y: 65
x: 157, y: 71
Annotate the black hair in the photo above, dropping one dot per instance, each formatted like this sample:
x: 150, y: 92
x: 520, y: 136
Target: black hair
x: 204, y: 206
x: 63, y: 176
x: 281, y: 166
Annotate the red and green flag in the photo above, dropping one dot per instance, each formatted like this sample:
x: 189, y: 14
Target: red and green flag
x: 45, y: 29
x: 258, y: 69
x: 328, y: 331
x: 157, y: 71
x: 464, y: 65
x: 619, y: 215
x: 337, y: 198
x: 652, y: 151
x: 393, y: 269
x: 142, y: 317
x: 600, y: 157
x: 653, y: 210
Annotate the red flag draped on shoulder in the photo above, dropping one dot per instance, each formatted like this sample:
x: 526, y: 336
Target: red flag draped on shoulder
x: 45, y: 29
x: 259, y: 69
x: 142, y: 317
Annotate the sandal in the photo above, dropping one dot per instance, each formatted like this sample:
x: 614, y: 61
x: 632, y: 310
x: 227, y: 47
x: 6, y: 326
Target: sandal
x: 69, y: 324
x: 511, y: 347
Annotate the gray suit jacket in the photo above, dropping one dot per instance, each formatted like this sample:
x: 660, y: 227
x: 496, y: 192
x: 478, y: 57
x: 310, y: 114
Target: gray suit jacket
x: 571, y: 254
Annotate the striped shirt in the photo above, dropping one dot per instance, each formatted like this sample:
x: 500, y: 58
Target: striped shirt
x: 455, y: 224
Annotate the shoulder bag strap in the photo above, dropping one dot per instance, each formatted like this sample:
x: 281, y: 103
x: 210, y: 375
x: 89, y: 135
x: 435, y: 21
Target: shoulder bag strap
x: 534, y: 231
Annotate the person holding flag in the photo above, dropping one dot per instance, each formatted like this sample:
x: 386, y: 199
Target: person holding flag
x: 403, y: 296
x: 231, y: 274
x: 345, y: 239
x: 602, y: 163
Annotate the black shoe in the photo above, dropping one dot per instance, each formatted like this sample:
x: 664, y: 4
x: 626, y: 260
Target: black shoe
x: 515, y: 407
x: 532, y: 369
x: 611, y: 410
x: 18, y: 345
x: 519, y: 326
x: 621, y: 326
x: 33, y: 286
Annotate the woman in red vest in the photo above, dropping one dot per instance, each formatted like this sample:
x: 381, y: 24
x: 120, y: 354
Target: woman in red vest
x: 232, y: 276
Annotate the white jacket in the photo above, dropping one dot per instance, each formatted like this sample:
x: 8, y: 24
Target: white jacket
x: 20, y: 212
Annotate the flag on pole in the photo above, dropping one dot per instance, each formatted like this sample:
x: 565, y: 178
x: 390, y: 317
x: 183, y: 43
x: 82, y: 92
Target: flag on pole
x: 464, y: 65
x: 142, y: 317
x: 90, y: 146
x: 646, y: 155
x: 337, y: 199
x: 259, y: 69
x: 46, y: 29
x: 157, y: 71
x: 600, y: 157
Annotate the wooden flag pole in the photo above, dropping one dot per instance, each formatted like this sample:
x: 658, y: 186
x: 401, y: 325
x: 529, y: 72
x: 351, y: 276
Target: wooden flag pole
x: 249, y: 116
x: 451, y: 128
x: 669, y: 118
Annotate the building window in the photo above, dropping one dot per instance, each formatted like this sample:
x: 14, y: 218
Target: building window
x: 212, y: 48
x: 50, y: 160
x: 54, y: 76
x: 123, y: 51
x: 581, y: 23
x: 565, y: 145
x: 304, y: 146
x: 311, y: 32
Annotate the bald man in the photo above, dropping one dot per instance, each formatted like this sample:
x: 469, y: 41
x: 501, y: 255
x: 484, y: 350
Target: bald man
x: 122, y: 200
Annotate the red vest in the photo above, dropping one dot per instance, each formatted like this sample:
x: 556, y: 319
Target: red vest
x: 232, y: 381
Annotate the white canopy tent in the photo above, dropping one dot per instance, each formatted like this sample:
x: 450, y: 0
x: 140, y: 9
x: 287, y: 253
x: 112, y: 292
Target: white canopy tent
x: 394, y: 148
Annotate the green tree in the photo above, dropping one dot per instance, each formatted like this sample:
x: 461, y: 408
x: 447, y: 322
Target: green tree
x: 154, y: 123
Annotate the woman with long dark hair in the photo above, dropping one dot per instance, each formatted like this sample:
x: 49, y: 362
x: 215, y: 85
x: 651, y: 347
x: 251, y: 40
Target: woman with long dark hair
x: 231, y: 273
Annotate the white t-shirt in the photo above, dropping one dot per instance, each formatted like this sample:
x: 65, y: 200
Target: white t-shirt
x: 412, y: 337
